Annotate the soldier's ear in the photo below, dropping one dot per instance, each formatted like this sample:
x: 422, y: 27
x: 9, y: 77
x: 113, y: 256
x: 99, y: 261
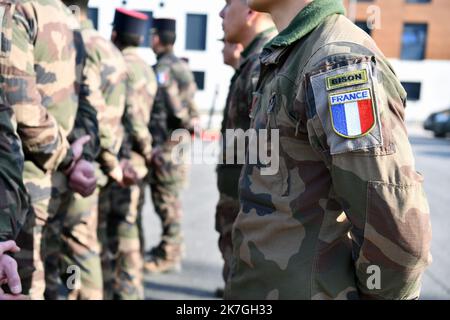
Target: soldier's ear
x: 251, y: 15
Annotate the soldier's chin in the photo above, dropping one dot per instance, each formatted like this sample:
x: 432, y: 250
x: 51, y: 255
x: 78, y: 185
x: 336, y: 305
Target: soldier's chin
x: 260, y: 5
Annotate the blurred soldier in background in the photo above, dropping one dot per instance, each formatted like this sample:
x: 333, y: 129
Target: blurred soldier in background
x: 344, y: 198
x: 172, y: 110
x: 41, y: 83
x: 104, y: 83
x: 125, y: 239
x: 252, y: 30
x: 231, y: 57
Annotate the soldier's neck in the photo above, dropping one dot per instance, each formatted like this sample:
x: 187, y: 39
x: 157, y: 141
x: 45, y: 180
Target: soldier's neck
x: 163, y: 52
x: 286, y: 11
x: 257, y: 28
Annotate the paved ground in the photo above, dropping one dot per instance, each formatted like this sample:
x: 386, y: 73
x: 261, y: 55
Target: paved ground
x: 201, y: 273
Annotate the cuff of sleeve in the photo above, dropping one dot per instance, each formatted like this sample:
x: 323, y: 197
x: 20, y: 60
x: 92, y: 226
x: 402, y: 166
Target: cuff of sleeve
x: 67, y: 162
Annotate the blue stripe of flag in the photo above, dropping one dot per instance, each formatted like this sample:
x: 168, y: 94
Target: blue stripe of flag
x: 339, y: 119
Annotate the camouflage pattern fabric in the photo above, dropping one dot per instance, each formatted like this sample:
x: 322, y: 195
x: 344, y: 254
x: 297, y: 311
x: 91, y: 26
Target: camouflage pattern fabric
x: 227, y: 210
x: 122, y: 259
x: 174, y: 104
x: 236, y: 116
x: 42, y: 82
x: 13, y: 196
x: 124, y: 230
x: 175, y: 97
x: 165, y: 186
x: 338, y: 207
x: 105, y: 79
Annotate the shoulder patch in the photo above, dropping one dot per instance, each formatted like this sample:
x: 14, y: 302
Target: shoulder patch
x: 347, y: 79
x: 352, y: 113
x: 163, y: 77
x: 346, y: 103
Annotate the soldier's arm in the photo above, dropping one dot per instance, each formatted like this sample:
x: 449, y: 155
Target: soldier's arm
x: 139, y: 101
x: 43, y: 140
x: 13, y: 196
x: 373, y: 176
x: 107, y: 158
x: 86, y: 122
x: 169, y: 94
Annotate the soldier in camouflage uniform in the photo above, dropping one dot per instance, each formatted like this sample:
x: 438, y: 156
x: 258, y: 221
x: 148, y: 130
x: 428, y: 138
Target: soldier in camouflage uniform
x: 13, y: 196
x: 345, y: 206
x: 174, y: 108
x: 41, y: 85
x: 104, y: 82
x: 124, y: 222
x: 252, y: 31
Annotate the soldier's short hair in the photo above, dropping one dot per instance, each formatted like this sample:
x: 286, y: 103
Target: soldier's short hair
x: 82, y: 4
x: 124, y: 39
x: 167, y: 38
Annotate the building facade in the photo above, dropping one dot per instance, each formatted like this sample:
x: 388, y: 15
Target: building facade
x: 414, y: 35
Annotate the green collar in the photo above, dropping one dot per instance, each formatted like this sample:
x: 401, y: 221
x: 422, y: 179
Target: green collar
x: 250, y: 48
x: 86, y: 24
x: 306, y: 21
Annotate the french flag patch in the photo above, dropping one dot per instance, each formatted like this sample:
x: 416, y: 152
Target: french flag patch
x: 352, y: 113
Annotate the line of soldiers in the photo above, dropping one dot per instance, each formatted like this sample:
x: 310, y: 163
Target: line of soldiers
x: 85, y: 125
x: 345, y: 216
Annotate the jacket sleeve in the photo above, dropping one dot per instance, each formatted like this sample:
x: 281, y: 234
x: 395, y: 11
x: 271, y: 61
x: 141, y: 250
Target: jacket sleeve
x: 141, y: 91
x: 108, y: 157
x: 86, y: 122
x: 170, y: 94
x: 43, y: 140
x: 355, y: 108
x: 13, y: 196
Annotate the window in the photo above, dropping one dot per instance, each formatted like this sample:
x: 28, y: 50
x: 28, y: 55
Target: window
x: 363, y: 25
x: 199, y: 79
x: 418, y: 1
x: 93, y: 16
x: 146, y: 42
x: 414, y: 41
x: 413, y: 89
x: 196, y: 32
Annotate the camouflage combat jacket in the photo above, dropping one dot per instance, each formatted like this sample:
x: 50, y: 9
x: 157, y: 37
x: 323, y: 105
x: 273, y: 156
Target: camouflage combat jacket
x: 174, y: 103
x: 237, y: 109
x: 105, y: 81
x: 345, y: 216
x: 140, y: 96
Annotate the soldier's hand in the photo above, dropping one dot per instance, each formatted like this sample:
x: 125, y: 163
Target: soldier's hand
x: 157, y: 159
x: 130, y: 176
x: 77, y: 147
x: 82, y: 179
x: 8, y: 272
x: 8, y: 246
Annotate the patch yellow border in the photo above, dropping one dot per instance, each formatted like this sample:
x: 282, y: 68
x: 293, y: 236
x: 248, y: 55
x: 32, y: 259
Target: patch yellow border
x: 330, y: 86
x: 373, y: 112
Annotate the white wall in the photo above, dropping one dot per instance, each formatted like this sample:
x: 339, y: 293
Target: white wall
x: 209, y: 61
x: 434, y: 75
x: 435, y: 78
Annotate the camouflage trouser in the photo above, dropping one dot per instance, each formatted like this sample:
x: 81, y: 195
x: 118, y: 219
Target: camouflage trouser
x: 49, y: 197
x: 76, y: 254
x: 166, y: 183
x: 226, y: 212
x: 121, y: 230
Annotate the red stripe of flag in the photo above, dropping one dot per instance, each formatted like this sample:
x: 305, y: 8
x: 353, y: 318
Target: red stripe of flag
x: 365, y: 115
